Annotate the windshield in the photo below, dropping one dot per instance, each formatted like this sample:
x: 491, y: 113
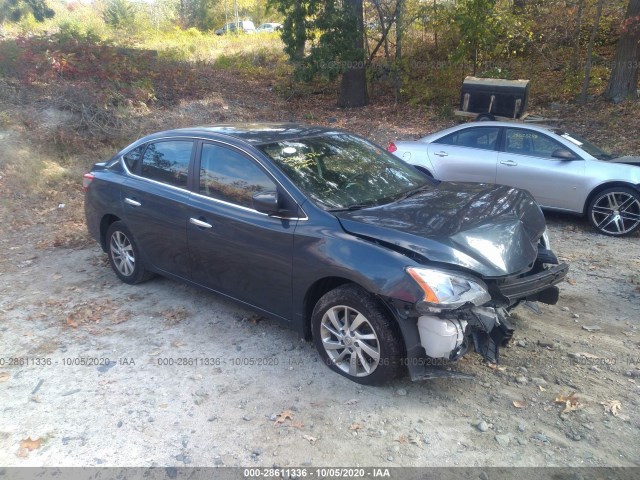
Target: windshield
x: 340, y: 171
x: 585, y: 145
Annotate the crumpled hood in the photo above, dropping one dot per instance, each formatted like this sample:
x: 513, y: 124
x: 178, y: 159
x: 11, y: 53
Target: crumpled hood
x: 491, y: 229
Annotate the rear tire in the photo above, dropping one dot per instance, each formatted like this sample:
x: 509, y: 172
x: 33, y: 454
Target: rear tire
x: 485, y: 117
x: 356, y: 337
x: 124, y: 255
x: 615, y: 211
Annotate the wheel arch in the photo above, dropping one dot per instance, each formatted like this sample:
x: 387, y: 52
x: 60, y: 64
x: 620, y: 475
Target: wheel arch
x: 605, y: 186
x: 424, y: 170
x: 322, y: 286
x: 105, y: 223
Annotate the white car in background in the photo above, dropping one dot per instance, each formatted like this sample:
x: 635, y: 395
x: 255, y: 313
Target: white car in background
x: 563, y: 171
x: 269, y: 27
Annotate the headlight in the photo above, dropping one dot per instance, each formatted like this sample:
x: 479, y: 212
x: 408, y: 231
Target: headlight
x: 544, y: 240
x: 447, y: 291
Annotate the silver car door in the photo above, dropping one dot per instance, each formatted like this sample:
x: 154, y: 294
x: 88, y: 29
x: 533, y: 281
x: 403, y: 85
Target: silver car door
x: 526, y: 162
x: 467, y: 155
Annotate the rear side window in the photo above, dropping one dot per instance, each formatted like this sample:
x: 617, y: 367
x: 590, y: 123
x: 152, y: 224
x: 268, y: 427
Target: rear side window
x: 228, y: 175
x: 484, y: 138
x: 132, y: 158
x: 168, y: 162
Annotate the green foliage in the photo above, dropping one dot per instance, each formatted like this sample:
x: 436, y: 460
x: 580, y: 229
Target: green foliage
x: 120, y: 14
x: 331, y: 30
x: 15, y: 10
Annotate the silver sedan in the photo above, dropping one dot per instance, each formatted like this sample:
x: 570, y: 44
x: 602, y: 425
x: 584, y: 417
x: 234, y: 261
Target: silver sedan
x: 563, y: 171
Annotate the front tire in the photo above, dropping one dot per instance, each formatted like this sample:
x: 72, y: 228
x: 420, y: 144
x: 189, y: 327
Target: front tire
x: 124, y: 255
x: 615, y: 211
x: 355, y: 337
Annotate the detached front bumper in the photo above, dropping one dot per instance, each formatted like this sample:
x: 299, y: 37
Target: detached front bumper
x: 537, y: 287
x: 447, y: 336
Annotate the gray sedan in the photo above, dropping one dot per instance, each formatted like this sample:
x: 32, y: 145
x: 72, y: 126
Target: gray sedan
x: 563, y: 171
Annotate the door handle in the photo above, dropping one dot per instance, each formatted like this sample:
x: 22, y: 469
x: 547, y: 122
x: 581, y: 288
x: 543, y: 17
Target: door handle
x: 509, y: 163
x: 441, y: 154
x: 132, y: 202
x: 200, y: 223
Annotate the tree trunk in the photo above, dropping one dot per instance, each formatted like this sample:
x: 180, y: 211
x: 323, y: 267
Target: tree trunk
x: 624, y: 75
x: 587, y: 67
x: 576, y: 47
x: 383, y: 27
x: 353, y: 87
x: 435, y: 25
x: 399, y: 35
x: 300, y: 29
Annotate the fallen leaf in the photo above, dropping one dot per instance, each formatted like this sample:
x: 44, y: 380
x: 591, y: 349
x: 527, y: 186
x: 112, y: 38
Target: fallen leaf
x: 571, y: 403
x: 4, y: 376
x: 494, y: 366
x: 177, y: 343
x: 285, y: 415
x: 571, y: 281
x: 565, y: 398
x: 519, y: 403
x: 355, y: 426
x: 612, y: 407
x: 310, y: 439
x: 72, y: 323
x: 296, y: 424
x: 403, y: 440
x: 415, y: 440
x: 28, y: 445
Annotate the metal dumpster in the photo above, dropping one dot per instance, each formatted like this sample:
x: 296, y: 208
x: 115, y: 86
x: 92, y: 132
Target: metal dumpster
x: 493, y: 98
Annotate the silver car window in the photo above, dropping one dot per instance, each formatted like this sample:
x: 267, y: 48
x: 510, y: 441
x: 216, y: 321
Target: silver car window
x: 481, y: 137
x: 528, y: 142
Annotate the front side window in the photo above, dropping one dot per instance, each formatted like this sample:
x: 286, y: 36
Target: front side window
x: 168, y: 162
x: 484, y: 138
x: 528, y: 142
x: 227, y: 175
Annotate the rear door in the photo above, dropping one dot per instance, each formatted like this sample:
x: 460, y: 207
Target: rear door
x: 155, y: 201
x: 468, y: 155
x: 526, y: 162
x: 233, y: 248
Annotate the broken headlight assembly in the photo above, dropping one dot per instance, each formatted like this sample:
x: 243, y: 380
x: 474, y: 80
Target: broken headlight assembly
x: 447, y: 290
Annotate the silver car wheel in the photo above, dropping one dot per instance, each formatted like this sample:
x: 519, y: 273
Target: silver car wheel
x: 616, y: 213
x: 122, y: 253
x: 350, y: 341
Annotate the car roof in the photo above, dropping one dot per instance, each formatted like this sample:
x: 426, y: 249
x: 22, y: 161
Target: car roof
x: 531, y: 126
x: 253, y: 133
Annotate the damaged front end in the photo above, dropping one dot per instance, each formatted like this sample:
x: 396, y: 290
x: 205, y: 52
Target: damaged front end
x: 460, y: 312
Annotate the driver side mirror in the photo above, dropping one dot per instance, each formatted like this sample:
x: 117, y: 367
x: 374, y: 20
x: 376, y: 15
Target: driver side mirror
x: 564, y: 154
x: 266, y: 202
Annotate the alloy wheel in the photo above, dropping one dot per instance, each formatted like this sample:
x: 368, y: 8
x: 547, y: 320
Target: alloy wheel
x: 616, y: 213
x: 350, y: 341
x: 122, y: 253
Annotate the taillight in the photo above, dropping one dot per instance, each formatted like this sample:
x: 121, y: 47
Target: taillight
x: 392, y: 147
x: 87, y: 178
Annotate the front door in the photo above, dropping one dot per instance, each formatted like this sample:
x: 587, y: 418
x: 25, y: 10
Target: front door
x: 527, y: 163
x: 233, y: 248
